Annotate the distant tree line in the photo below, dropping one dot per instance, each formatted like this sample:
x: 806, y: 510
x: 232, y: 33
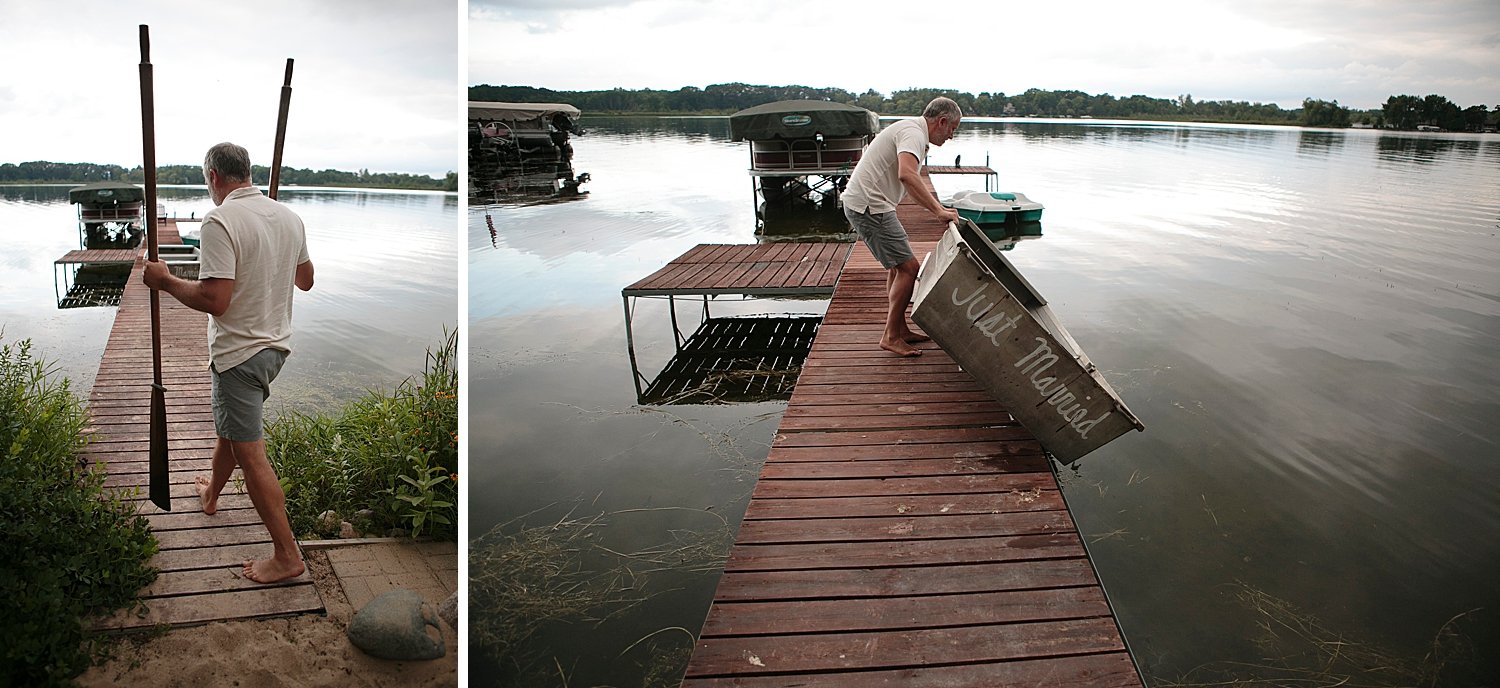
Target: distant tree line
x: 1399, y: 112
x: 84, y: 172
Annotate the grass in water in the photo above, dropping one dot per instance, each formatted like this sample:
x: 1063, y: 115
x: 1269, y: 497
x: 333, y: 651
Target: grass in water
x: 527, y: 581
x: 385, y: 462
x: 523, y: 579
x: 1300, y: 650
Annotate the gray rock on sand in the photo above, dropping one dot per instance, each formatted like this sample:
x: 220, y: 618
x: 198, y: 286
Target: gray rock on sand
x: 394, y: 626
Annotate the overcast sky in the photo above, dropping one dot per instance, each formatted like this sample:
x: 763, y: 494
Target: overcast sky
x: 373, y: 84
x: 1357, y: 52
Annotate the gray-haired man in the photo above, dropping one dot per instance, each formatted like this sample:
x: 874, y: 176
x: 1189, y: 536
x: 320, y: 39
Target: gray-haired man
x: 888, y: 170
x: 253, y: 251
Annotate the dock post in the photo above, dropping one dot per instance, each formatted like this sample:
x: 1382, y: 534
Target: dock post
x: 286, y: 103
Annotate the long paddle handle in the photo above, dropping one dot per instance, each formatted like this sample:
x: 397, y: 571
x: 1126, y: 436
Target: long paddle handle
x: 286, y: 103
x: 160, y: 487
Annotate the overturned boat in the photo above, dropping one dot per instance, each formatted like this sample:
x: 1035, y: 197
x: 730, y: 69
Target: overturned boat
x: 974, y: 303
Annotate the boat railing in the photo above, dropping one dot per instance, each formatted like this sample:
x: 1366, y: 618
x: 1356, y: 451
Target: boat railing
x: 120, y: 213
x: 809, y: 154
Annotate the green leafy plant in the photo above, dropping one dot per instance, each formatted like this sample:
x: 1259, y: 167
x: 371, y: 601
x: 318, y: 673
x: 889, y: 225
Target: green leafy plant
x: 71, y: 549
x: 384, y: 461
x: 418, y: 500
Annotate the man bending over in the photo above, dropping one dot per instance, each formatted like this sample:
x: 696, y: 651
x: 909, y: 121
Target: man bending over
x: 888, y: 171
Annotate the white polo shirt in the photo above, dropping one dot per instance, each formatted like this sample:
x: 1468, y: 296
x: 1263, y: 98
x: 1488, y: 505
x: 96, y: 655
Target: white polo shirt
x: 258, y: 243
x: 876, y: 184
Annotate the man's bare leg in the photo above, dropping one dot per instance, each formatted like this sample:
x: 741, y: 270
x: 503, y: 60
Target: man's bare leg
x: 270, y: 502
x: 902, y: 281
x: 210, y: 487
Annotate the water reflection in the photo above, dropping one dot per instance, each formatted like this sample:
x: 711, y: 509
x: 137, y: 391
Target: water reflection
x: 1312, y: 142
x: 1422, y: 150
x: 800, y: 219
x: 729, y: 360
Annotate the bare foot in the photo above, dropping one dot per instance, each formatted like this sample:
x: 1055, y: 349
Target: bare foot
x: 272, y: 570
x: 210, y: 501
x: 914, y: 338
x: 899, y: 347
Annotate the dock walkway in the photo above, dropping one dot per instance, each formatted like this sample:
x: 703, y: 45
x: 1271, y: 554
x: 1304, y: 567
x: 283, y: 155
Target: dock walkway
x: 200, y: 556
x: 905, y: 531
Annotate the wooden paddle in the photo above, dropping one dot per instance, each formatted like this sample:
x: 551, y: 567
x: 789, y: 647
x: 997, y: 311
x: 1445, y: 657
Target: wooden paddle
x: 160, y: 490
x: 286, y: 102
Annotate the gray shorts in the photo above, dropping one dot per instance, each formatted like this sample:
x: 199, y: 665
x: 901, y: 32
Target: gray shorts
x: 883, y: 235
x: 240, y: 392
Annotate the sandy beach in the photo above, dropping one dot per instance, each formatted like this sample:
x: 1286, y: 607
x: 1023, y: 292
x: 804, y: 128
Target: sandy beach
x: 306, y: 650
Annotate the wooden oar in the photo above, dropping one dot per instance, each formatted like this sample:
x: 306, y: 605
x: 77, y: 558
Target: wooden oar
x: 286, y: 102
x: 160, y: 490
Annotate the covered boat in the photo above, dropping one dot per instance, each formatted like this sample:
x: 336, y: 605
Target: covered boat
x: 801, y: 152
x: 109, y: 214
x: 804, y: 134
x: 974, y: 303
x: 523, y: 148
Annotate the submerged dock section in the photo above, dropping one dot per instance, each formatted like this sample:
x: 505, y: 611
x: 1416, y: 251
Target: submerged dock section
x: 734, y: 359
x: 905, y: 530
x: 200, y: 556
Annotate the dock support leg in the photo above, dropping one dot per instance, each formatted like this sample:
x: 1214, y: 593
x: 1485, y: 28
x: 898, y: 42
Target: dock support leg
x: 635, y: 370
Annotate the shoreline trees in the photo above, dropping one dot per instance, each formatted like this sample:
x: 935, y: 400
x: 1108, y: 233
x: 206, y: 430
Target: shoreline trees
x: 44, y: 171
x: 1399, y: 112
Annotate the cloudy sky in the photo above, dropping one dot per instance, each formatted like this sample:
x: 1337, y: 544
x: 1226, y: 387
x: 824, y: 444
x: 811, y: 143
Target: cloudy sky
x: 373, y: 84
x: 1357, y: 52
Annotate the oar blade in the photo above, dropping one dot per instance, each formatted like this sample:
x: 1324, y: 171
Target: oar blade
x: 161, y: 482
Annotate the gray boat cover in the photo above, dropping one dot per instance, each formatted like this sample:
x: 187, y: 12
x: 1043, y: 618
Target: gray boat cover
x: 106, y: 193
x: 800, y: 119
x: 520, y: 112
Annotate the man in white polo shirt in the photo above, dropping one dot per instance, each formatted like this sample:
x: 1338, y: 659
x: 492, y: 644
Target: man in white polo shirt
x: 888, y: 170
x: 253, y: 251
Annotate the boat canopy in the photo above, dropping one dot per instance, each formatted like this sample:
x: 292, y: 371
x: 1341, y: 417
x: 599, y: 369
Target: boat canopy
x: 520, y: 112
x: 800, y: 119
x: 106, y: 193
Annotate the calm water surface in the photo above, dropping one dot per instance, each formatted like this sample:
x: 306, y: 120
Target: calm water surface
x: 1306, y: 321
x: 381, y: 257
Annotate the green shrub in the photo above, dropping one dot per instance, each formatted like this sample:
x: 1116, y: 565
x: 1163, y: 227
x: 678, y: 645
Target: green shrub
x: 394, y: 456
x: 68, y: 548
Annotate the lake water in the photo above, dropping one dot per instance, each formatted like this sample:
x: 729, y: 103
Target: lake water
x: 385, y: 287
x: 1306, y: 321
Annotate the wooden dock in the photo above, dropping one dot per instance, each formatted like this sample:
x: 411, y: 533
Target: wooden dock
x: 905, y: 531
x: 200, y: 556
x: 771, y: 269
x: 991, y: 178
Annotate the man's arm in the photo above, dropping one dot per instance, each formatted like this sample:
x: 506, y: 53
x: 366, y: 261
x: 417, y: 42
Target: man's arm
x: 912, y: 180
x: 304, y: 278
x: 210, y: 295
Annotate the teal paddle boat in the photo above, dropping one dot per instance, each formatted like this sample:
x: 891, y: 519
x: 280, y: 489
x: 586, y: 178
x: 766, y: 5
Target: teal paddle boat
x: 993, y: 208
